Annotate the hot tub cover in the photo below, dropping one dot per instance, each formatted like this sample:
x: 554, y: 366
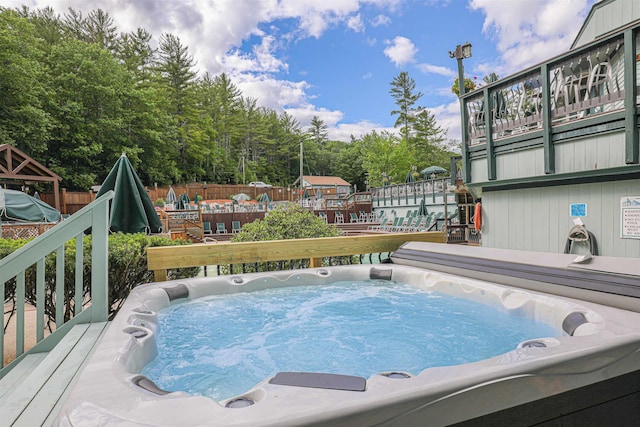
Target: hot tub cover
x: 19, y: 206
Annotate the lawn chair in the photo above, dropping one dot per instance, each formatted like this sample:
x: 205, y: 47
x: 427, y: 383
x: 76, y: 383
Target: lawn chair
x: 354, y: 217
x: 323, y: 215
x: 220, y: 228
x: 339, y: 219
x: 235, y: 227
x: 398, y: 223
x: 206, y: 227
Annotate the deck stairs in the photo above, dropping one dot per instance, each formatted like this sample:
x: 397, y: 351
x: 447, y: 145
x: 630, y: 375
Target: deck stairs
x: 34, y: 386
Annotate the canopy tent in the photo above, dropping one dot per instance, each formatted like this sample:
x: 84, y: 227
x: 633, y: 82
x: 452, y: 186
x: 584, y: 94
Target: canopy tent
x: 433, y: 169
x: 131, y: 207
x: 19, y: 206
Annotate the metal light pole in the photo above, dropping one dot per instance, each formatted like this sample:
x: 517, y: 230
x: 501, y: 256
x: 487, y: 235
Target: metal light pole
x: 462, y: 52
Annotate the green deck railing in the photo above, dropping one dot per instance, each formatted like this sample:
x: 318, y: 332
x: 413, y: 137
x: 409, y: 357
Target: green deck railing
x: 94, y: 217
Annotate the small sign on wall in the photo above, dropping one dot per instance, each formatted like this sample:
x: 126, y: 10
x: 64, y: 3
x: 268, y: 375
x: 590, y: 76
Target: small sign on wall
x: 630, y: 217
x: 578, y: 209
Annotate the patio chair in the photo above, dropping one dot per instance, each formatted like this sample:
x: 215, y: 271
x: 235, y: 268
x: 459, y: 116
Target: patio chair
x: 206, y: 227
x: 220, y: 228
x: 235, y: 227
x: 339, y: 219
x: 323, y: 216
x: 354, y: 217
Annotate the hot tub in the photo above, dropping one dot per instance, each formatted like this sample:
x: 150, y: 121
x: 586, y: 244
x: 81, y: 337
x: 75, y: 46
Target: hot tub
x: 596, y: 342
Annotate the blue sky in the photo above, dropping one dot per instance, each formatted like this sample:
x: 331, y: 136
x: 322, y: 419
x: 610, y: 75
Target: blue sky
x: 335, y: 59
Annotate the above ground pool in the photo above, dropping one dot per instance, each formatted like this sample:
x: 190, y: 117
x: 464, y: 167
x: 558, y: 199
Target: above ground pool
x: 285, y: 348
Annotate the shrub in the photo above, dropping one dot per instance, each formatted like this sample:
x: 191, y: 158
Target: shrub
x: 127, y: 269
x: 287, y: 221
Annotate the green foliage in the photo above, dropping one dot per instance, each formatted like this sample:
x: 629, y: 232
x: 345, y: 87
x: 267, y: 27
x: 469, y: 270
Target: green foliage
x: 287, y: 221
x: 469, y: 85
x: 127, y: 269
x: 77, y: 93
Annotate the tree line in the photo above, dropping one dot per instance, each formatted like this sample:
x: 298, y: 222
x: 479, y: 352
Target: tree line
x: 75, y: 93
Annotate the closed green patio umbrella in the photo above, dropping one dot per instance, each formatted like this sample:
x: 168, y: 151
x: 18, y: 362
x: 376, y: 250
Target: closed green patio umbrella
x: 264, y: 197
x: 409, y: 177
x: 422, y: 210
x: 131, y: 208
x: 171, y: 196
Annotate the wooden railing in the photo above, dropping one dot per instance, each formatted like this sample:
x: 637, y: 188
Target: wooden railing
x: 14, y: 268
x: 162, y: 258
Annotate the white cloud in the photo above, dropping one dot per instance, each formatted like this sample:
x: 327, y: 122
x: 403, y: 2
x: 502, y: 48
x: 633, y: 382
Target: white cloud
x: 344, y: 131
x: 437, y: 69
x: 278, y: 95
x: 381, y: 20
x: 304, y: 114
x: 400, y: 50
x: 530, y: 31
x: 448, y: 117
x: 355, y: 24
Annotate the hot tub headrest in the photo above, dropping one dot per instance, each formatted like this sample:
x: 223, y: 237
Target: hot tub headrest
x: 573, y: 321
x: 380, y: 274
x: 177, y: 291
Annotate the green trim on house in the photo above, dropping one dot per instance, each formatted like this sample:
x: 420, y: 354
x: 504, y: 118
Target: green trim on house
x: 631, y: 126
x: 582, y: 177
x: 547, y: 129
x: 488, y: 125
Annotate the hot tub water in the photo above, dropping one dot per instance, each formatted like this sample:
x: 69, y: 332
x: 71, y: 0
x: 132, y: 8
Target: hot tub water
x: 222, y: 345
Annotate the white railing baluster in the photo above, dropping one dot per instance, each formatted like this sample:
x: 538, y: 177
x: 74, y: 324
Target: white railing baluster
x: 60, y: 277
x: 40, y: 302
x: 78, y: 296
x: 20, y: 300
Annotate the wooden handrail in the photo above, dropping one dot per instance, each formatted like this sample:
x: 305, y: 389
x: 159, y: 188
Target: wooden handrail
x: 162, y: 258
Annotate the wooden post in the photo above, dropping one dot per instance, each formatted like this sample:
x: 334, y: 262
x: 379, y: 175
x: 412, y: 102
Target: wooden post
x: 64, y: 201
x: 160, y: 275
x: 315, y: 262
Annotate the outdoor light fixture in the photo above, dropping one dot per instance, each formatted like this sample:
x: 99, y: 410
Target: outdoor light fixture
x: 461, y: 52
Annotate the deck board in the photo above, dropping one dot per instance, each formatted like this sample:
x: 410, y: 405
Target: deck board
x: 31, y: 399
x: 22, y: 370
x: 52, y: 392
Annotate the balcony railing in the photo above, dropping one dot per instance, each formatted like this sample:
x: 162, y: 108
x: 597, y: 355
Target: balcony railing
x: 577, y: 85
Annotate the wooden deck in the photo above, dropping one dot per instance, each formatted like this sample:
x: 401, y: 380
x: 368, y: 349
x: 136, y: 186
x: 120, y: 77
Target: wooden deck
x: 32, y: 393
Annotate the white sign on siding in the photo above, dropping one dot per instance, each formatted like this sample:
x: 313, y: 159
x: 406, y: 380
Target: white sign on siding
x: 630, y: 217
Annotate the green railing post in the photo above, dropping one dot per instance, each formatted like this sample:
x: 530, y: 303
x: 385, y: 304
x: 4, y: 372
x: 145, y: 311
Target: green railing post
x: 632, y: 147
x: 100, y: 264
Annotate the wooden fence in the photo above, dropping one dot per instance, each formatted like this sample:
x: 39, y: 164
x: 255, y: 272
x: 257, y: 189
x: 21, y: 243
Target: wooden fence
x: 161, y: 258
x: 71, y: 202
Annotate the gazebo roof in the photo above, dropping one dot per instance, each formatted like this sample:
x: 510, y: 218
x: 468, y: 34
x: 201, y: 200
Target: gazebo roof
x: 15, y: 165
